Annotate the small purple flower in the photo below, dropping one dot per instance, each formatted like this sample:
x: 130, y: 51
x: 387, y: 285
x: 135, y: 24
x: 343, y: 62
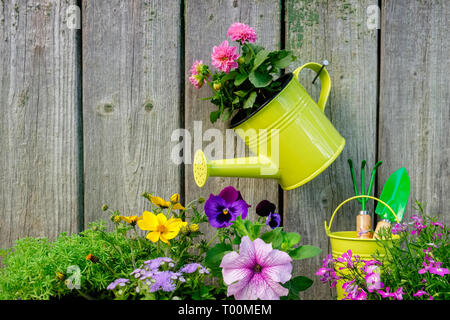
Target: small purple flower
x: 224, y: 208
x: 154, y: 264
x: 192, y: 267
x: 265, y: 208
x: 273, y: 220
x: 163, y: 281
x: 399, y: 227
x: 118, y: 282
x: 437, y: 224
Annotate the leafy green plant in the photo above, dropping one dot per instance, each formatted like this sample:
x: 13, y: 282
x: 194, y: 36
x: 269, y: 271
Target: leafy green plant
x: 244, y: 81
x: 415, y: 265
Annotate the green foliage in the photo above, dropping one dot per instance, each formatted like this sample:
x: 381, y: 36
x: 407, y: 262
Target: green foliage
x: 256, y: 80
x: 32, y: 266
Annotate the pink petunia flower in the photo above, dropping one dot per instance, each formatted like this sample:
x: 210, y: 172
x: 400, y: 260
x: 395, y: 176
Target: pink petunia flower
x: 223, y: 57
x: 242, y: 32
x: 256, y: 271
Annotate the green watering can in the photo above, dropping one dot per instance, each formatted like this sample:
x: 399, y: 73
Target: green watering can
x: 290, y: 135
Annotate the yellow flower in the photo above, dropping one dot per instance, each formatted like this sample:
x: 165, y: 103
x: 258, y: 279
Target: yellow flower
x: 160, y: 202
x: 175, y: 198
x: 161, y: 228
x: 131, y: 219
x: 193, y: 227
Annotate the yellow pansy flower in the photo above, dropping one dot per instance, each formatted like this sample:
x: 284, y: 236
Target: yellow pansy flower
x: 161, y: 228
x: 160, y: 202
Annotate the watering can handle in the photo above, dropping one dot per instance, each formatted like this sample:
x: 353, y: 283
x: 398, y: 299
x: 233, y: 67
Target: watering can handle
x: 328, y: 227
x: 325, y: 81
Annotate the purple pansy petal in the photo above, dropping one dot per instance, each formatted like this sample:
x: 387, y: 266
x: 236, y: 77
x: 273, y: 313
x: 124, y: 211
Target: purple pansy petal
x: 239, y: 208
x: 229, y: 194
x: 264, y: 208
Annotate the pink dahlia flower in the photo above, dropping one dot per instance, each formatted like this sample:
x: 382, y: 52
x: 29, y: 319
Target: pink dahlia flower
x: 241, y: 32
x: 197, y: 80
x: 223, y: 57
x: 195, y: 69
x: 257, y: 271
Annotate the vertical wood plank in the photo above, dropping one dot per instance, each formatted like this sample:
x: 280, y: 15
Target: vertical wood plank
x: 38, y: 121
x: 414, y: 130
x: 131, y: 102
x: 207, y: 23
x: 335, y: 31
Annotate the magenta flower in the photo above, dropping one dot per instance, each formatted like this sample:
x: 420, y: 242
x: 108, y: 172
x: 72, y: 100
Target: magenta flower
x: 346, y: 258
x: 373, y: 281
x: 223, y: 57
x: 398, y: 228
x: 420, y: 293
x: 436, y: 269
x: 256, y: 271
x: 197, y: 81
x: 224, y: 208
x: 385, y: 294
x: 242, y: 32
x: 426, y: 267
x: 437, y: 224
x: 398, y: 294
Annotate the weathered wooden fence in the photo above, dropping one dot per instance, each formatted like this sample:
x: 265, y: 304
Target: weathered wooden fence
x: 87, y: 111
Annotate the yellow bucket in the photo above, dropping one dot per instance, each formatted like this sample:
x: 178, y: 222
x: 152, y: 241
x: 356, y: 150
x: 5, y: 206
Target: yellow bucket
x: 343, y: 241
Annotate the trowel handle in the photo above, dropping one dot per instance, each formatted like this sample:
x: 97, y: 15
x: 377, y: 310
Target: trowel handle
x: 325, y: 81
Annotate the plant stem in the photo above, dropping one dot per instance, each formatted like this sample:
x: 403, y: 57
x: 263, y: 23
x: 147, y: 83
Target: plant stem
x: 213, y: 238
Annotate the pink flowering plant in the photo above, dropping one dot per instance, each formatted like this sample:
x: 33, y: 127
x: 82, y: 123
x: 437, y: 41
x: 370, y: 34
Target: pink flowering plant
x: 414, y: 267
x: 246, y: 75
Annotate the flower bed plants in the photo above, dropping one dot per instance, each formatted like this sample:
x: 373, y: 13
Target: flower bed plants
x: 414, y: 267
x: 173, y: 260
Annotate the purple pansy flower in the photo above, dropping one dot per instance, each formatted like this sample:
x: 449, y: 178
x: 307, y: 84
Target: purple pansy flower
x: 224, y: 208
x: 265, y: 208
x: 273, y: 220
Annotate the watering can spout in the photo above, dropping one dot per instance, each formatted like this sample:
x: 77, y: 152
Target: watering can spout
x: 250, y: 167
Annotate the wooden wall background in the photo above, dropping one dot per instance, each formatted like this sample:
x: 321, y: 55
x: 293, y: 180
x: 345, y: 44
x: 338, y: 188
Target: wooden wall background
x: 87, y: 115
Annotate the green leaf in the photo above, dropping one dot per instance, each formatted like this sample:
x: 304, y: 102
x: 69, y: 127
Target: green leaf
x: 275, y: 237
x: 250, y: 100
x: 259, y: 79
x: 214, y: 115
x: 304, y: 252
x: 283, y: 59
x: 240, y: 78
x: 230, y: 76
x: 261, y: 56
x: 241, y: 93
x: 297, y: 284
x: 240, y: 227
x: 214, y: 256
x: 291, y: 239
